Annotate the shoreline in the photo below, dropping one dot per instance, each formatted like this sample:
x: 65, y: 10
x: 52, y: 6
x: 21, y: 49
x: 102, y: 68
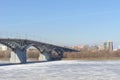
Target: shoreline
x: 98, y: 59
x: 88, y: 59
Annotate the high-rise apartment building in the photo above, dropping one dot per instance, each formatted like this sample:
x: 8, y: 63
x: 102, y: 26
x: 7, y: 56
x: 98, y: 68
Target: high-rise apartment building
x: 108, y: 45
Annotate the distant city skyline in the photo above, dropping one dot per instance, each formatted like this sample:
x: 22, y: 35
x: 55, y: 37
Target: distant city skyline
x: 62, y: 22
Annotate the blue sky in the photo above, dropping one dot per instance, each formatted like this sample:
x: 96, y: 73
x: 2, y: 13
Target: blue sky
x: 63, y: 22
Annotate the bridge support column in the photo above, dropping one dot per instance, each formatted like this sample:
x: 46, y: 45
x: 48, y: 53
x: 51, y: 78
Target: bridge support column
x: 45, y: 56
x: 60, y: 55
x: 18, y: 56
x: 56, y: 54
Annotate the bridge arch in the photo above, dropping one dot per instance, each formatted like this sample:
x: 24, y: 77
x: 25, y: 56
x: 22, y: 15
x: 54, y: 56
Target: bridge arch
x: 5, y: 55
x: 17, y: 54
x: 43, y: 54
x: 7, y: 45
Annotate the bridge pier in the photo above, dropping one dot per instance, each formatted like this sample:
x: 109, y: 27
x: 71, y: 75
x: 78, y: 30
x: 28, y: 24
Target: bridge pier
x: 44, y: 56
x: 18, y: 56
x: 60, y: 55
x: 56, y: 54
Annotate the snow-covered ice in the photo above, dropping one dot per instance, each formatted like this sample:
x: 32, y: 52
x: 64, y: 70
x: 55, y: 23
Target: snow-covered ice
x: 63, y: 70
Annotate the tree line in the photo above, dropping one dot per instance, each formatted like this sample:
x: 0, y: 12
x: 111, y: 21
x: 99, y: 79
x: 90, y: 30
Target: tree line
x: 103, y: 54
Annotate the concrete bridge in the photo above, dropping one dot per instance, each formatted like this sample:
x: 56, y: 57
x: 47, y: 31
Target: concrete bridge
x: 19, y: 47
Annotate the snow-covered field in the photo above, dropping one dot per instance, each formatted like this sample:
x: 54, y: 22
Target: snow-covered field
x: 63, y: 70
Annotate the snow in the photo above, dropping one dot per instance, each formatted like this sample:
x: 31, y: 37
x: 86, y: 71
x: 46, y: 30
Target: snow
x: 62, y: 70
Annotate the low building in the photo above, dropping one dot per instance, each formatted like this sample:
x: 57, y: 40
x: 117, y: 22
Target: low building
x: 101, y: 47
x: 77, y: 47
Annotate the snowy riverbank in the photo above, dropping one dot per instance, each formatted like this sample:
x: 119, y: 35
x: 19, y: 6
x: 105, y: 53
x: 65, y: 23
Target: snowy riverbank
x: 63, y: 70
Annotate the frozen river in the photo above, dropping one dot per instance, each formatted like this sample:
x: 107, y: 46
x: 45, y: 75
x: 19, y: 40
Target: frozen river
x: 63, y: 70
